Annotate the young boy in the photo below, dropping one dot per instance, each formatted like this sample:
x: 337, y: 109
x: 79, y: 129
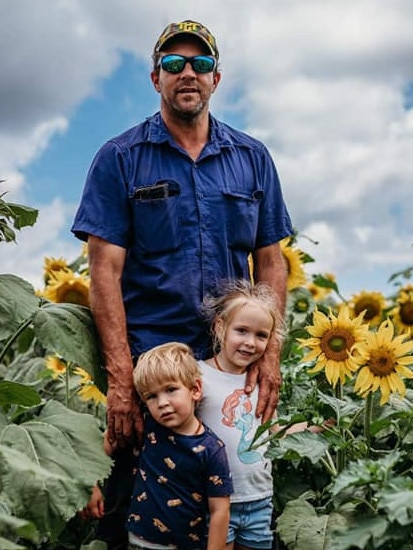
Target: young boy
x: 182, y: 469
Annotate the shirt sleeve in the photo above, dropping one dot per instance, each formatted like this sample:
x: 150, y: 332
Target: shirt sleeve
x: 274, y: 220
x: 219, y: 480
x: 104, y: 207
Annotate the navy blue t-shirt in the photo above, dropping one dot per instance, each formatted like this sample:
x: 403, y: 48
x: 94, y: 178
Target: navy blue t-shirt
x: 176, y: 474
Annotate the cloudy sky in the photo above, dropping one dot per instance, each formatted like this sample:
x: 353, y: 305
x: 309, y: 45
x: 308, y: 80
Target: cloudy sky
x: 326, y: 84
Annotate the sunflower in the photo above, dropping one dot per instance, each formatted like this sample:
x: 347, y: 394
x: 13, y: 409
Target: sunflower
x: 402, y: 314
x: 53, y: 265
x: 385, y: 363
x: 294, y: 259
x: 56, y: 365
x: 371, y: 303
x: 318, y: 292
x: 88, y: 391
x: 68, y: 287
x: 334, y: 341
x: 300, y: 303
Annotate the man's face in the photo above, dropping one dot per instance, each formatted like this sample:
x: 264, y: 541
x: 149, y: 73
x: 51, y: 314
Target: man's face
x: 185, y: 94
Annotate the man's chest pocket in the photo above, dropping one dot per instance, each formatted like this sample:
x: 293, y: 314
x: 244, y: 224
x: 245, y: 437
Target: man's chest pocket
x: 156, y: 216
x: 242, y: 214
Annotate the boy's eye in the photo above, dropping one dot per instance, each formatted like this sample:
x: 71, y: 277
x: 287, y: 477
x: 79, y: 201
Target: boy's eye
x: 149, y: 396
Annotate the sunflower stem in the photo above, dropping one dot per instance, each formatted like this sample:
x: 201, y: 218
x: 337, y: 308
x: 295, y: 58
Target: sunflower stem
x: 368, y: 410
x: 67, y: 380
x: 341, y: 456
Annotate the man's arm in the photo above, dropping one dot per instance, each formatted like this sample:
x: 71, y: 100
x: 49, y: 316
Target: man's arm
x: 219, y: 522
x: 106, y: 262
x: 269, y: 268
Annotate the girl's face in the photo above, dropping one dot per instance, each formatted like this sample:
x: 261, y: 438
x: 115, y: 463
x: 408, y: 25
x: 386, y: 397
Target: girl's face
x: 245, y: 338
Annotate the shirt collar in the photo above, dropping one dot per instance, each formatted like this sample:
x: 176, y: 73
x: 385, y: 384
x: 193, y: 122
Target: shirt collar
x: 219, y: 136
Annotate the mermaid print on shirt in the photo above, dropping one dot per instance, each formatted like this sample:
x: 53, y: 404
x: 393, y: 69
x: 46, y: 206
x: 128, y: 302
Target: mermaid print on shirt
x: 237, y: 413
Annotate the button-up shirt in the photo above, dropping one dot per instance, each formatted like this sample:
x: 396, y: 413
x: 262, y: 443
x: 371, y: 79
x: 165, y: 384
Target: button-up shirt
x: 186, y: 225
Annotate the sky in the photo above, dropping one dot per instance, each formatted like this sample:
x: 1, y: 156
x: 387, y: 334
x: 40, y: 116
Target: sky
x: 327, y: 85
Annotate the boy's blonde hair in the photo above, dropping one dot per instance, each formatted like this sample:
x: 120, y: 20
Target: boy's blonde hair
x: 171, y: 362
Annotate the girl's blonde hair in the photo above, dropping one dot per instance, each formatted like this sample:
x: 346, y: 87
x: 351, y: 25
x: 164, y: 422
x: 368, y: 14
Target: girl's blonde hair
x: 233, y: 296
x: 171, y: 362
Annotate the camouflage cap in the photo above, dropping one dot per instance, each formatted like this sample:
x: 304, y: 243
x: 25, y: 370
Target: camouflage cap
x: 188, y: 27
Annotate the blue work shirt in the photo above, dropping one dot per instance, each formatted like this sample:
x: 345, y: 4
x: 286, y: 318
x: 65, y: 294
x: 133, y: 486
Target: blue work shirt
x: 186, y: 225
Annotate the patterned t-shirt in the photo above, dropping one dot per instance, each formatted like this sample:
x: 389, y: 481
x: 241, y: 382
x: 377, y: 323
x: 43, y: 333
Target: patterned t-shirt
x: 176, y: 474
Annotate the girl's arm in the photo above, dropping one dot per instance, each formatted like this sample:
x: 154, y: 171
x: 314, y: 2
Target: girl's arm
x: 219, y: 522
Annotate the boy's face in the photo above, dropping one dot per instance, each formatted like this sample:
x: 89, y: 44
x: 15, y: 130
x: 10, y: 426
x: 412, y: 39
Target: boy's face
x: 172, y: 405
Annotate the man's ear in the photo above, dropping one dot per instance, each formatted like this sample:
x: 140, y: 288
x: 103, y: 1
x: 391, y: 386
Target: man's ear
x: 217, y: 78
x: 155, y: 80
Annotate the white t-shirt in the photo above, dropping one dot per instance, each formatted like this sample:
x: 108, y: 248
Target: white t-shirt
x: 230, y: 413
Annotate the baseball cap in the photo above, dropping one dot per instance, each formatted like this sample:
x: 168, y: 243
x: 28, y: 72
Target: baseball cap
x: 188, y: 27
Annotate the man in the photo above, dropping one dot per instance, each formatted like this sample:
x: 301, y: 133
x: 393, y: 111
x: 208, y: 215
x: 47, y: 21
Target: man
x: 170, y: 209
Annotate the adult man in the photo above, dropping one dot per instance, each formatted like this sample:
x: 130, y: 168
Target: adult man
x: 170, y: 209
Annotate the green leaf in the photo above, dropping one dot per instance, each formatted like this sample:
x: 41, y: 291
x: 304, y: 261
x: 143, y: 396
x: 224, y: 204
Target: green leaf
x: 56, y: 497
x: 360, y: 534
x: 341, y: 407
x: 17, y: 526
x: 22, y: 215
x: 304, y: 444
x: 296, y: 513
x: 52, y: 461
x: 19, y: 394
x: 397, y: 500
x: 69, y: 331
x: 95, y: 545
x: 18, y: 303
x: 6, y: 544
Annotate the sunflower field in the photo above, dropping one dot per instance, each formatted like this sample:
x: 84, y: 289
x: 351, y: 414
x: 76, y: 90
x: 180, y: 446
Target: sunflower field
x: 342, y: 446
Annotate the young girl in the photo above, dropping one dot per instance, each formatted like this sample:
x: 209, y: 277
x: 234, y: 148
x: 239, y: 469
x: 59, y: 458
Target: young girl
x: 243, y: 320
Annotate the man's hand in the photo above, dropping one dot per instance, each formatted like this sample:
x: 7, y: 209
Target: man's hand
x: 125, y: 422
x: 265, y: 373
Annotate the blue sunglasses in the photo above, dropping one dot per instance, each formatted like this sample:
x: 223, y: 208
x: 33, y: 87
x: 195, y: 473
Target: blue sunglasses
x: 174, y: 63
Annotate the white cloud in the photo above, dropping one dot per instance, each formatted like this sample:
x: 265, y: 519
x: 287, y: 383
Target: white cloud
x: 322, y: 83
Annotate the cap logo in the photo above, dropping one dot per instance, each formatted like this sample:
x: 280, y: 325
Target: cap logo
x: 190, y: 27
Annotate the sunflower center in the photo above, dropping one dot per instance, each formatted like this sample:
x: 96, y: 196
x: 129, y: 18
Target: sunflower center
x: 301, y: 306
x: 370, y: 309
x: 406, y: 313
x: 381, y: 362
x: 336, y: 344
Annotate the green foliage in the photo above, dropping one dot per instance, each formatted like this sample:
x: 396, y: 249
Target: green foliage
x: 50, y: 455
x: 14, y: 216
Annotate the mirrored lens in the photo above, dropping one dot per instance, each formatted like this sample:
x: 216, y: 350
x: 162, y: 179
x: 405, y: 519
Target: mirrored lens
x: 175, y: 63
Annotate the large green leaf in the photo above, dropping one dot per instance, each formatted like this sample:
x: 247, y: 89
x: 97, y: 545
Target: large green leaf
x: 18, y: 303
x: 300, y: 528
x: 19, y: 394
x: 365, y: 530
x: 304, y: 444
x: 51, y: 462
x: 397, y: 500
x: 69, y: 331
x: 62, y: 441
x: 47, y: 499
